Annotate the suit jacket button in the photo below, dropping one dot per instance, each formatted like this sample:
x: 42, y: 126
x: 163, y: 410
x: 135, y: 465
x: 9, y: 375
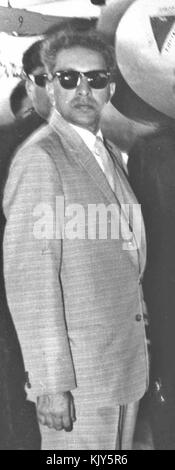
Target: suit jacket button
x: 138, y: 317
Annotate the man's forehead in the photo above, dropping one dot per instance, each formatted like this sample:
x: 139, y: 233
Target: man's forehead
x: 78, y: 56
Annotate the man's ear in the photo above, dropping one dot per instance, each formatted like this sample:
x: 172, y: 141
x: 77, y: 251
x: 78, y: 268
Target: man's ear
x: 50, y: 92
x: 112, y: 89
x: 29, y: 88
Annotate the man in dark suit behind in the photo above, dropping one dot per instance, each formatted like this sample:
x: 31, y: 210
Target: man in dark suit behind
x: 152, y: 175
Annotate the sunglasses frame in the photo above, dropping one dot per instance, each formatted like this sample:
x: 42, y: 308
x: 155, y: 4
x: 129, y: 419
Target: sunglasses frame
x: 58, y: 74
x: 32, y: 77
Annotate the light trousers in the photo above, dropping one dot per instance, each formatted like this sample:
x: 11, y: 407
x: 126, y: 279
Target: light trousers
x: 101, y: 428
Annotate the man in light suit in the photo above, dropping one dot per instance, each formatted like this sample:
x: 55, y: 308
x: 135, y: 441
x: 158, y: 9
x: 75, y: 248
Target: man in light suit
x: 73, y: 284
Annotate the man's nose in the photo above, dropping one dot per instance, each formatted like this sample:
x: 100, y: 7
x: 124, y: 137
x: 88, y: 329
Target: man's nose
x: 83, y: 87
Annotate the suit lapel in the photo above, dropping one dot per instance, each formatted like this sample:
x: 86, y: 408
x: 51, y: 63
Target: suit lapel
x: 75, y: 146
x: 127, y: 196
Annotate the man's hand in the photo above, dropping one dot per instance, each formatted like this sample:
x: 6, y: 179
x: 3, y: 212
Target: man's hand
x: 56, y: 411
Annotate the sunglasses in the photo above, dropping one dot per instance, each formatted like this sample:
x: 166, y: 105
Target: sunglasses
x: 70, y: 79
x: 40, y: 80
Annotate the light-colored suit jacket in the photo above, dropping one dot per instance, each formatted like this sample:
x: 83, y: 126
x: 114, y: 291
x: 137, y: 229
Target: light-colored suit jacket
x: 76, y: 301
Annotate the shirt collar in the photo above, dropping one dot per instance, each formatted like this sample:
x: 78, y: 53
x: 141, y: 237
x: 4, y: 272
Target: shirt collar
x: 88, y: 137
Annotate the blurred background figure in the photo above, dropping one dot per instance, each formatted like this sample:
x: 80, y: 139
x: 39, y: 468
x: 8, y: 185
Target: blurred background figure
x: 30, y: 106
x: 20, y: 102
x: 36, y: 80
x: 152, y: 175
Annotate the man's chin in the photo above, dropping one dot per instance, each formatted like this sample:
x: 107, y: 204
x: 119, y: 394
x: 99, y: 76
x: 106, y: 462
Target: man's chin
x: 84, y: 113
x: 83, y: 121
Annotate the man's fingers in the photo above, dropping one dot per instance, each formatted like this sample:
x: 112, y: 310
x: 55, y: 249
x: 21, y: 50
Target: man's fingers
x: 67, y: 420
x: 56, y: 411
x: 49, y: 421
x: 69, y: 416
x: 72, y: 411
x: 58, y: 423
x: 41, y: 418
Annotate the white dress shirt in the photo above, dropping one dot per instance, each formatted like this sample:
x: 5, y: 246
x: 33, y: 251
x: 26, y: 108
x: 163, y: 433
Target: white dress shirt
x: 102, y: 157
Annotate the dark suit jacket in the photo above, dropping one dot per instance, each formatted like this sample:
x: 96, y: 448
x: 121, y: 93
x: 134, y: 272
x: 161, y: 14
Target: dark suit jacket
x: 11, y: 137
x: 152, y: 176
x: 18, y: 423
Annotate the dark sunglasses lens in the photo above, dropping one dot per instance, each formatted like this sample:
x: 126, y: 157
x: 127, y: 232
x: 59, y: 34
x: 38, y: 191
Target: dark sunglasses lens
x: 40, y: 80
x: 68, y: 80
x: 97, y: 79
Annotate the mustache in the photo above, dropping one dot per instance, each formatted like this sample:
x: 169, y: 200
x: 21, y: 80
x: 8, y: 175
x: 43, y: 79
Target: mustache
x: 83, y: 102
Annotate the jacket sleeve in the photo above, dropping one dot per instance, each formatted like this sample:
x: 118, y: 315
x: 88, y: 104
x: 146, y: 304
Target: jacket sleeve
x: 32, y: 265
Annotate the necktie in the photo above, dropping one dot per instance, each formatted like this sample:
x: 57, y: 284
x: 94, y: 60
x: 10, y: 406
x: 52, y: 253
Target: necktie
x: 103, y: 160
x: 106, y: 164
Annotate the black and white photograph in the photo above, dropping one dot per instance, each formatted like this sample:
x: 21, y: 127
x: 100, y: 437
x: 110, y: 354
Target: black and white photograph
x: 87, y: 229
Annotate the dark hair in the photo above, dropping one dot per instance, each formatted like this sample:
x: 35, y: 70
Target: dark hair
x: 81, y: 24
x: 31, y: 58
x: 17, y: 96
x: 71, y: 34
